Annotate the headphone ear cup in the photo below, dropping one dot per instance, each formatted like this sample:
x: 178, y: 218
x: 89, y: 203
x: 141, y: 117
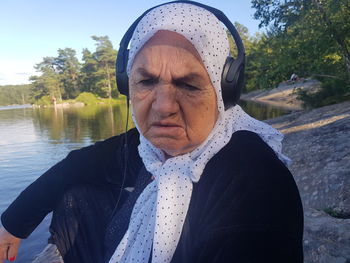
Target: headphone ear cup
x: 240, y: 82
x: 232, y: 79
x: 121, y: 74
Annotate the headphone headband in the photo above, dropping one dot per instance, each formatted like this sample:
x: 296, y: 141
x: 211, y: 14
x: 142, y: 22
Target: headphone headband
x: 218, y: 14
x: 230, y: 78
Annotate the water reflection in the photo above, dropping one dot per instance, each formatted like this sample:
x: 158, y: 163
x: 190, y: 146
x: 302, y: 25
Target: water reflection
x: 94, y: 123
x: 262, y: 111
x: 32, y: 140
x: 78, y: 124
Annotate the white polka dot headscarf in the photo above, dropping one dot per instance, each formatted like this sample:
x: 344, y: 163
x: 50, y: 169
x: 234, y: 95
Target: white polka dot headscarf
x: 159, y: 213
x: 199, y: 26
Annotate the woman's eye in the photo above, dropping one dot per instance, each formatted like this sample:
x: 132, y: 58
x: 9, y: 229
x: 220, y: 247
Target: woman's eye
x: 147, y: 82
x: 188, y: 87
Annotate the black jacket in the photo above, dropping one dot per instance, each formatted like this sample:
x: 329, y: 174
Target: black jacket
x: 245, y: 208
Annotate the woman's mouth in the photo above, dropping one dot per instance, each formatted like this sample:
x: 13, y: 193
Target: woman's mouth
x: 166, y: 128
x: 165, y: 124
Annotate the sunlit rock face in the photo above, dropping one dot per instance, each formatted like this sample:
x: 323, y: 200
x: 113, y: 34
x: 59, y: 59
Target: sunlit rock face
x: 318, y: 142
x: 285, y: 95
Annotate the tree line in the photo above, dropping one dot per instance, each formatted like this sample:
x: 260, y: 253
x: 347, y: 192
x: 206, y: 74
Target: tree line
x: 15, y: 94
x: 64, y: 77
x: 310, y: 38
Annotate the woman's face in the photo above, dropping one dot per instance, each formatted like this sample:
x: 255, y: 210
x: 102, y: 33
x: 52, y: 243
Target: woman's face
x: 173, y: 100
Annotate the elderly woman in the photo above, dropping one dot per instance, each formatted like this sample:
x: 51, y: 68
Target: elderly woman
x: 196, y: 181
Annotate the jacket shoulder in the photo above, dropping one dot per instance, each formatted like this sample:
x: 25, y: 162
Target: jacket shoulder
x: 248, y: 176
x: 247, y: 194
x: 251, y: 145
x: 105, y: 157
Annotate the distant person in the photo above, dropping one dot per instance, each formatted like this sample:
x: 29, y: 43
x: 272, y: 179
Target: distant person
x: 54, y: 101
x: 293, y: 77
x: 198, y: 180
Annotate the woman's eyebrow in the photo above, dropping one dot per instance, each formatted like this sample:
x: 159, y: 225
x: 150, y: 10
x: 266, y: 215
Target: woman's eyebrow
x: 188, y: 78
x: 192, y: 76
x: 145, y: 73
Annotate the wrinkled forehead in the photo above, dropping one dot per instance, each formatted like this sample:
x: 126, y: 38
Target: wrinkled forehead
x: 172, y: 40
x: 199, y: 26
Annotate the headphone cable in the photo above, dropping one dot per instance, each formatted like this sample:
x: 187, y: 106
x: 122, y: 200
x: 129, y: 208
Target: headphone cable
x: 126, y: 153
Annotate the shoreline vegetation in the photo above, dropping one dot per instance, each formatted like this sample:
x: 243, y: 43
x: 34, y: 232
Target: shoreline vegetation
x: 84, y: 99
x: 285, y: 95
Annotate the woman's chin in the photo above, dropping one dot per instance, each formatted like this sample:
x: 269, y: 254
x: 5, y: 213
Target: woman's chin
x: 172, y: 147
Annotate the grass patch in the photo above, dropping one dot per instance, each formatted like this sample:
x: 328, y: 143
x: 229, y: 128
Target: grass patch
x: 335, y: 214
x: 91, y: 99
x: 87, y: 98
x: 44, y: 101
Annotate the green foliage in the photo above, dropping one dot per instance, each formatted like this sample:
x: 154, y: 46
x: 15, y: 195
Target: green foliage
x: 105, y: 71
x: 87, y: 98
x: 68, y: 68
x: 246, y: 39
x: 48, y: 84
x: 15, y: 94
x: 91, y: 99
x: 336, y: 214
x: 88, y: 77
x: 44, y: 101
x: 112, y: 101
x: 64, y: 77
x: 309, y: 38
x: 332, y: 91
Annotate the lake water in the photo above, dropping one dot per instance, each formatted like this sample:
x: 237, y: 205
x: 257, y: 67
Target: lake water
x: 32, y: 140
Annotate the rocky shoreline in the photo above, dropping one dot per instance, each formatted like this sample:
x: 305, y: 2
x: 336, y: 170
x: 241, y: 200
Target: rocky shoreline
x: 285, y: 95
x: 318, y: 142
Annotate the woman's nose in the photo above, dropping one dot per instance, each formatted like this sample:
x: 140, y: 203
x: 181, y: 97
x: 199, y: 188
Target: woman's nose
x: 165, y: 102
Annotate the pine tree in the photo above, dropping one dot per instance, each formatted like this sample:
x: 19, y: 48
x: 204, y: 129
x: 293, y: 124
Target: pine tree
x: 105, y: 56
x: 68, y: 67
x: 49, y: 83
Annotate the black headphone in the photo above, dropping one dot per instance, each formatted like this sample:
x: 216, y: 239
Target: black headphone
x: 233, y: 71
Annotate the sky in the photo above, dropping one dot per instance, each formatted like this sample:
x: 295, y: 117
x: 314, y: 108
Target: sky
x: 31, y: 30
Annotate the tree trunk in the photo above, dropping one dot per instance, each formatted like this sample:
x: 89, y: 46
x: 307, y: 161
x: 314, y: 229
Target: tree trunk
x: 59, y: 94
x: 109, y: 82
x: 346, y: 57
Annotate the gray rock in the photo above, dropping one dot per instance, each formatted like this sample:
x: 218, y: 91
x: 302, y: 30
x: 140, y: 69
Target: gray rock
x: 285, y: 95
x: 326, y: 239
x: 318, y: 142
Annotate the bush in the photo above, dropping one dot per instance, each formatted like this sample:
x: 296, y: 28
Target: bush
x: 44, y: 101
x: 332, y: 91
x: 87, y: 98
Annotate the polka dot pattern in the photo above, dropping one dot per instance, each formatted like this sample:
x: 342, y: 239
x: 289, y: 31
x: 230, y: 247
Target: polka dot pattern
x: 197, y: 25
x: 159, y: 213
